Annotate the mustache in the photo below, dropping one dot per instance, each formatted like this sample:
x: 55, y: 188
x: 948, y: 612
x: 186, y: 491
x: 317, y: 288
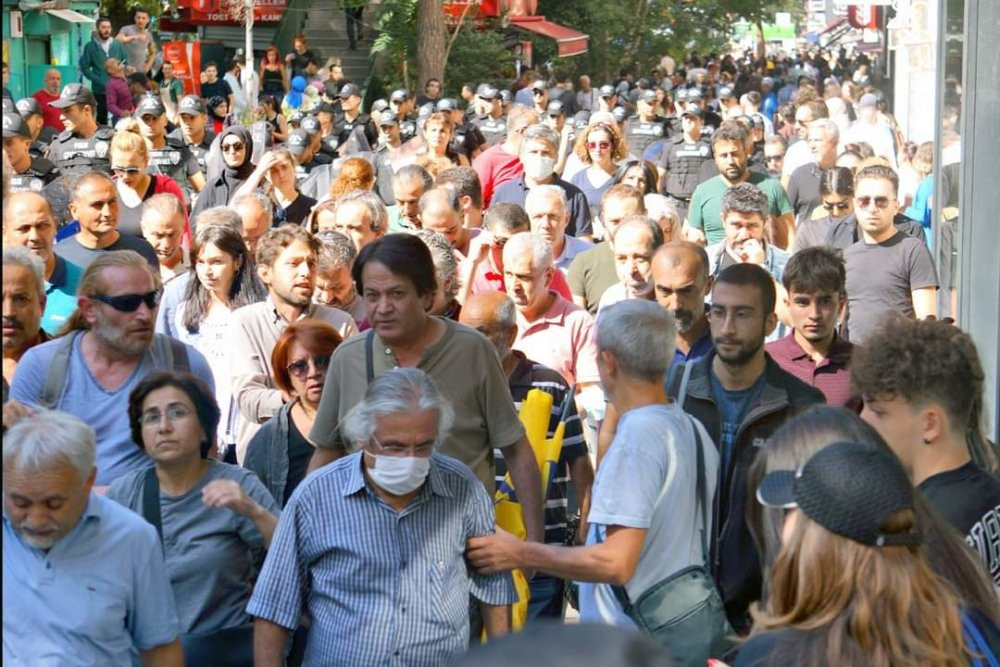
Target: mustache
x: 13, y: 322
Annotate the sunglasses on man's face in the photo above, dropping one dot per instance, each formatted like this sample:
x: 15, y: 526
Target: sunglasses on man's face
x: 126, y: 171
x: 234, y: 147
x: 865, y: 202
x: 129, y: 303
x: 836, y: 206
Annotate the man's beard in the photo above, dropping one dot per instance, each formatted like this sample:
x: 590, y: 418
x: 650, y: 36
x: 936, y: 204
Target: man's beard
x: 685, y: 319
x: 743, y: 353
x: 118, y: 338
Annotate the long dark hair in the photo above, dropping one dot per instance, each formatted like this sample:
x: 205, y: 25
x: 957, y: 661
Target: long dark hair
x: 649, y: 171
x: 245, y: 288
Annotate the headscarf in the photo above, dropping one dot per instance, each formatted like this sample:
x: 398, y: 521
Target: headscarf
x: 294, y: 98
x: 242, y: 172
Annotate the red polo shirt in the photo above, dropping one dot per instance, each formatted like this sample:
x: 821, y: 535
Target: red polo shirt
x: 50, y: 114
x: 831, y: 375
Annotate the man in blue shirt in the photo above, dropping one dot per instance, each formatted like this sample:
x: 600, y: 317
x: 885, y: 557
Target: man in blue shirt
x: 84, y: 581
x: 372, y: 545
x: 28, y: 221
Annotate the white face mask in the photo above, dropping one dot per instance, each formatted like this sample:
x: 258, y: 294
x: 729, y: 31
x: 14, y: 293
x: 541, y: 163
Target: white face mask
x: 399, y: 475
x: 538, y: 167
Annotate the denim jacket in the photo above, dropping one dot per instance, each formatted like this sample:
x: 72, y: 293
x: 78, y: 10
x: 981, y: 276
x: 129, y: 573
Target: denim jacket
x: 267, y: 453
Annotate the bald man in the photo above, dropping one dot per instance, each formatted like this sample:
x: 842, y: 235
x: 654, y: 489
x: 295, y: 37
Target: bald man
x: 493, y: 315
x: 681, y: 283
x: 441, y: 212
x: 28, y: 222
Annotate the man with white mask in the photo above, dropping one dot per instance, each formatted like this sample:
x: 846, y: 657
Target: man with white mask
x: 538, y: 153
x: 394, y: 556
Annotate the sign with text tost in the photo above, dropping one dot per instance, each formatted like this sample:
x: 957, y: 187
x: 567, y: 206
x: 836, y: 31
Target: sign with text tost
x: 216, y: 12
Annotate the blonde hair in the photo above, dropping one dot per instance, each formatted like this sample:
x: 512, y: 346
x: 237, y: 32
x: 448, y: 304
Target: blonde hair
x: 129, y: 139
x: 619, y: 149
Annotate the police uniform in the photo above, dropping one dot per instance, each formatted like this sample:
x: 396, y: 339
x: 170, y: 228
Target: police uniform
x: 39, y: 173
x: 75, y: 155
x: 407, y: 128
x: 198, y: 151
x: 175, y: 160
x: 640, y: 134
x: 342, y: 129
x: 494, y: 130
x: 682, y: 161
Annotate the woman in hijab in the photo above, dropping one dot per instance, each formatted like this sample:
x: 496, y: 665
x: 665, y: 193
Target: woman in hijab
x: 236, y: 145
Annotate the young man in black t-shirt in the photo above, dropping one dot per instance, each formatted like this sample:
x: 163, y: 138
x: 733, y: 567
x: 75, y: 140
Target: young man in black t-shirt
x: 922, y: 384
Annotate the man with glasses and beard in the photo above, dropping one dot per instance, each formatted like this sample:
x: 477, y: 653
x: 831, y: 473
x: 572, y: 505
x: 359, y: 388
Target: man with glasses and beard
x: 95, y: 206
x: 887, y: 270
x: 110, y: 347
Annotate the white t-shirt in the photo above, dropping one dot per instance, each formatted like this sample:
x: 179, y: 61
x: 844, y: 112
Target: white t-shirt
x: 653, y: 452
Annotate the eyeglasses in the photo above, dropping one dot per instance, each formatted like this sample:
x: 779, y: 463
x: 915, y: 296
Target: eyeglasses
x: 235, y: 147
x: 598, y: 145
x: 880, y: 202
x: 300, y: 368
x: 774, y: 158
x: 836, y: 206
x: 174, y: 414
x: 126, y: 171
x: 423, y: 449
x: 129, y: 303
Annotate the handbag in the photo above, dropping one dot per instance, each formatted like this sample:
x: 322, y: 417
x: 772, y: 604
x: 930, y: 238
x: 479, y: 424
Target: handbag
x: 228, y: 647
x: 684, y: 611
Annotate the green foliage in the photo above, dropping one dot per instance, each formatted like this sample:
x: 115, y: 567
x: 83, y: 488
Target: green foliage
x: 396, y: 43
x: 477, y: 56
x: 120, y: 11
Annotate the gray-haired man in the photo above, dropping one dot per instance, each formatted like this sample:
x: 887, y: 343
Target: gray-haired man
x: 393, y: 558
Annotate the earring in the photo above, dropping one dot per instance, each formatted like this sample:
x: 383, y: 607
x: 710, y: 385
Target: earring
x: 927, y: 441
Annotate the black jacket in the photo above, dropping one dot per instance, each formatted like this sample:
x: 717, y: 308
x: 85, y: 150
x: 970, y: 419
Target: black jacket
x: 735, y: 561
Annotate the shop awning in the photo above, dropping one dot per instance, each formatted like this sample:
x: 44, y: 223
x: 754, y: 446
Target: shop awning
x: 70, y: 16
x: 569, y: 42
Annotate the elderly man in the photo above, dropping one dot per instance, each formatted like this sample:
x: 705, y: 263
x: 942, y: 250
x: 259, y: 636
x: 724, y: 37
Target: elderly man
x: 645, y: 522
x: 111, y: 346
x: 441, y: 212
x: 28, y: 222
x: 548, y: 210
x: 361, y: 217
x: 83, y: 578
x: 803, y: 186
x: 408, y: 185
x: 550, y: 329
x: 394, y: 556
x: 501, y: 162
x: 539, y: 153
x: 48, y: 94
x: 95, y: 207
x: 255, y: 211
x: 286, y: 265
x: 23, y: 303
x: 162, y: 225
x: 636, y: 240
x: 334, y: 286
x: 395, y: 276
x: 493, y: 315
x: 593, y: 271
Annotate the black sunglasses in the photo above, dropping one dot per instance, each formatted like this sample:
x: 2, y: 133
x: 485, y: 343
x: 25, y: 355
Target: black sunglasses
x: 129, y: 303
x: 300, y: 368
x: 838, y: 206
x: 234, y: 147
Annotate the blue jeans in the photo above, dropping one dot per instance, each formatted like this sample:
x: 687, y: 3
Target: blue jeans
x: 546, y: 598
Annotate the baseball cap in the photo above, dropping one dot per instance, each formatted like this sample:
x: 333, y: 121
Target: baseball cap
x: 643, y: 82
x: 191, y: 104
x: 487, y: 92
x: 8, y: 105
x: 447, y: 104
x: 540, y: 85
x: 297, y: 142
x: 726, y: 93
x: 647, y: 96
x: 380, y: 105
x: 150, y: 105
x: 74, y: 93
x: 848, y: 488
x: 555, y: 108
x: 399, y: 95
x: 296, y: 117
x: 14, y: 126
x: 506, y: 96
x: 425, y: 110
x: 581, y: 119
x: 387, y: 120
x: 607, y: 90
x: 868, y: 100
x: 694, y: 94
x: 27, y: 107
x: 324, y: 107
x: 693, y: 110
x: 680, y: 95
x: 767, y: 81
x: 619, y: 113
x: 348, y: 90
x: 757, y: 121
x: 310, y: 125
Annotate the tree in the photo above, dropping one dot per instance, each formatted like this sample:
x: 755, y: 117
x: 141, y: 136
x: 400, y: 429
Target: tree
x: 432, y: 42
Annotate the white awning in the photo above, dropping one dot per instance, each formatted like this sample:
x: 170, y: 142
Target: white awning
x: 70, y: 16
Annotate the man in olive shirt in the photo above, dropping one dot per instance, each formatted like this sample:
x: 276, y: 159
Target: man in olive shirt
x: 395, y: 276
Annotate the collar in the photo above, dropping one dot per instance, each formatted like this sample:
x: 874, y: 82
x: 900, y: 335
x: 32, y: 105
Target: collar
x: 355, y: 480
x: 556, y: 314
x: 839, y: 352
x: 276, y: 317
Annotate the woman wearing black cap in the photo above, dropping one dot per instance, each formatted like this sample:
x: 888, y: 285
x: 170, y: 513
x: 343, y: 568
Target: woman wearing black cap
x: 850, y: 585
x: 236, y: 145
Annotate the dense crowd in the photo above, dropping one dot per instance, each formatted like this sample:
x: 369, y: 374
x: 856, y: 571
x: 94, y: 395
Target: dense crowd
x: 299, y: 382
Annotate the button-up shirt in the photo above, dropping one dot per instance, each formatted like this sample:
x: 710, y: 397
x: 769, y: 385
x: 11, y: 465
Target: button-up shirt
x: 831, y: 375
x: 381, y: 586
x: 516, y: 192
x: 97, y: 597
x: 563, y: 338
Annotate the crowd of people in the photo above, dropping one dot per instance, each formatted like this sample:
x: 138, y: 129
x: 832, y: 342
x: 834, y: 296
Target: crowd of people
x: 263, y: 376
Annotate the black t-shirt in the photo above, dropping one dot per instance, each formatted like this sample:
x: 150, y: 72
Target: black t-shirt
x: 300, y: 451
x: 220, y: 88
x: 295, y: 213
x: 969, y: 499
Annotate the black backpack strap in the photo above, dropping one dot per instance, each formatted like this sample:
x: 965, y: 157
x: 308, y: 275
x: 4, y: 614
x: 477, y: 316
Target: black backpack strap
x: 55, y: 376
x: 151, y: 501
x: 370, y: 356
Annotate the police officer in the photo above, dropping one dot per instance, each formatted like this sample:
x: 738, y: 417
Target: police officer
x: 645, y: 127
x: 555, y: 117
x: 327, y: 114
x: 729, y: 106
x: 710, y: 120
x: 607, y: 97
x: 300, y: 144
x: 682, y: 160
x: 540, y: 96
x: 350, y: 103
x: 192, y: 131
x: 30, y: 174
x: 169, y: 155
x: 402, y: 104
x: 311, y: 126
x: 41, y: 134
x: 83, y: 145
x: 389, y: 140
x: 489, y: 116
x: 467, y: 140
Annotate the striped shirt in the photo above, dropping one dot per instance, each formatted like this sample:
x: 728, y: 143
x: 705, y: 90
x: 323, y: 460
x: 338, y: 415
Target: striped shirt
x: 527, y: 376
x: 381, y: 587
